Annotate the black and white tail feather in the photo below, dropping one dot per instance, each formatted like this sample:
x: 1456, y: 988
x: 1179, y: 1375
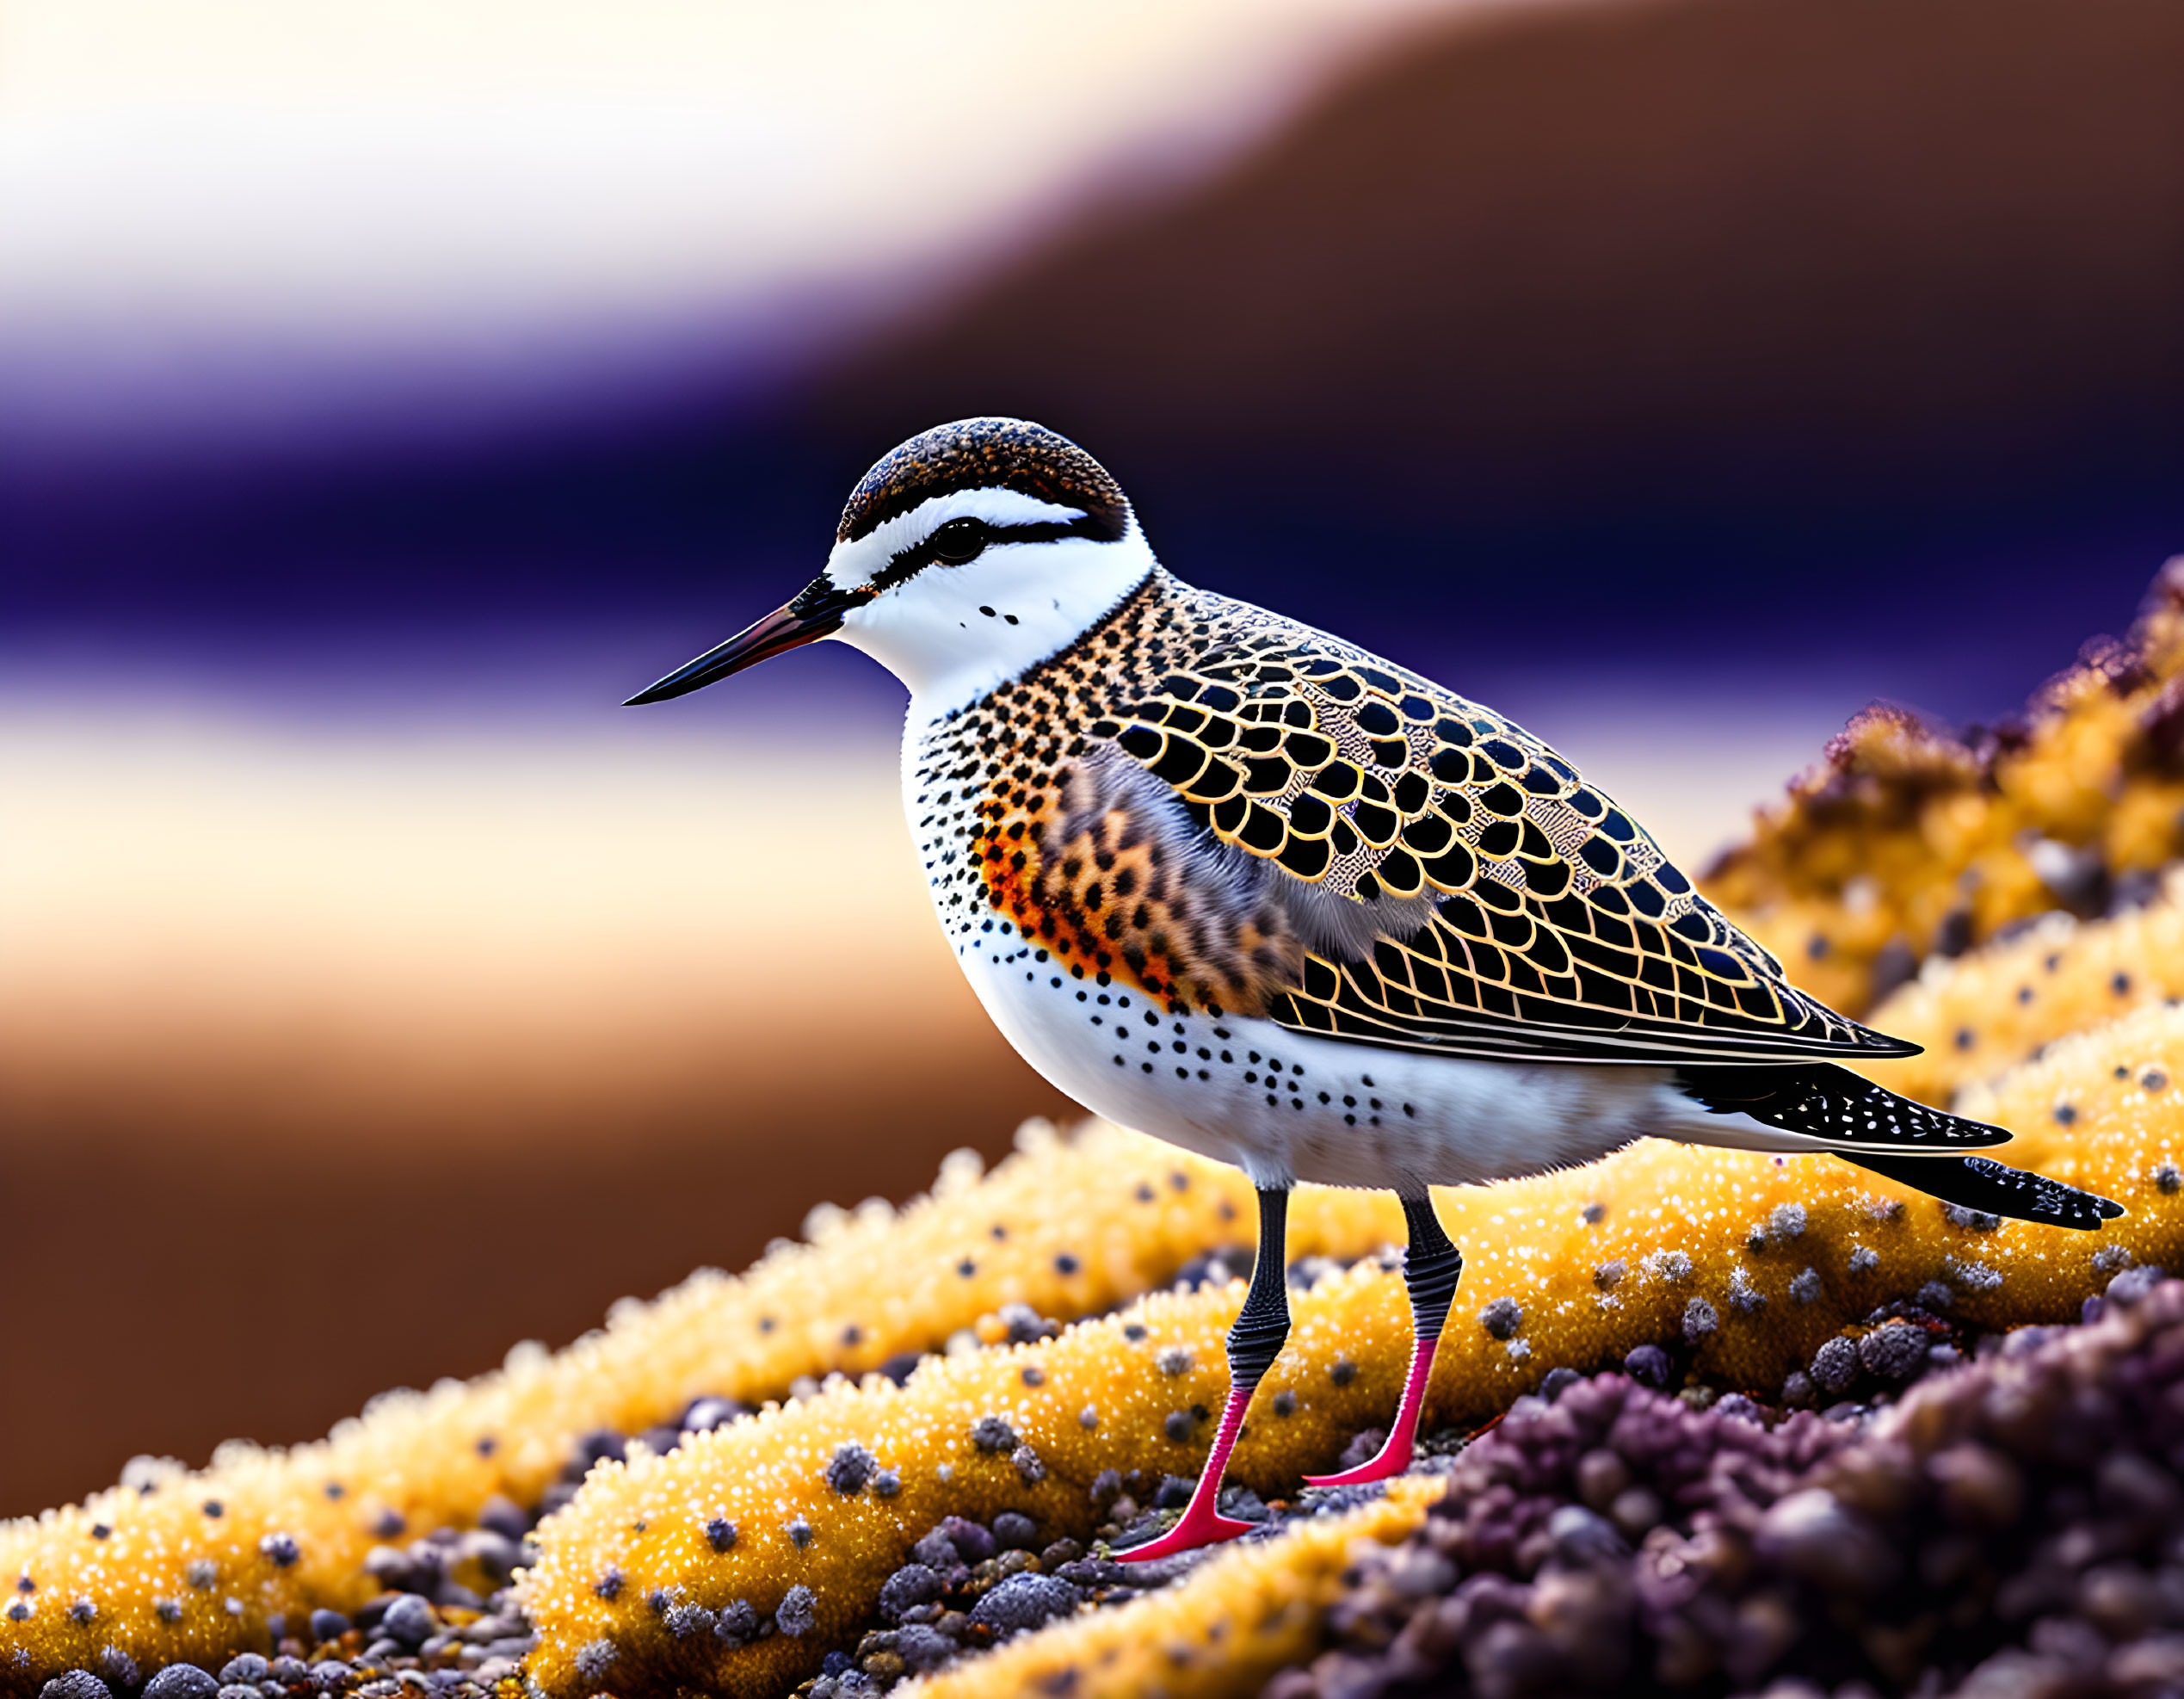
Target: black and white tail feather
x: 1871, y: 1126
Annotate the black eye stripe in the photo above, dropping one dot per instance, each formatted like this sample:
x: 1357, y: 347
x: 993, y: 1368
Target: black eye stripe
x: 920, y: 555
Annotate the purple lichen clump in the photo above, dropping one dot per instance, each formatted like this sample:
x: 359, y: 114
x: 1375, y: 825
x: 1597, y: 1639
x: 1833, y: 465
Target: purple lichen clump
x: 2012, y: 1527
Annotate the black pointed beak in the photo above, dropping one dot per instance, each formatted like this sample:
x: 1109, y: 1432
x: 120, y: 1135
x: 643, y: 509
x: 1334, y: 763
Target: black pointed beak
x: 814, y: 614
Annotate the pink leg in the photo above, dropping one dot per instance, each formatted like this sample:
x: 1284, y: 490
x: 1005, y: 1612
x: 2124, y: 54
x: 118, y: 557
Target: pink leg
x: 1395, y: 1454
x: 1201, y: 1524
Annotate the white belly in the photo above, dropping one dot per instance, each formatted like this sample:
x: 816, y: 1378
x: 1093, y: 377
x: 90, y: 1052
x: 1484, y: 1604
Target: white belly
x: 1283, y: 1105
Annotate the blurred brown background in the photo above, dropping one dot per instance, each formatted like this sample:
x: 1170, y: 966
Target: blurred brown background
x: 373, y: 994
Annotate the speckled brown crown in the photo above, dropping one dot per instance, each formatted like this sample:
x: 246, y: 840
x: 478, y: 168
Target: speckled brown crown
x: 986, y: 455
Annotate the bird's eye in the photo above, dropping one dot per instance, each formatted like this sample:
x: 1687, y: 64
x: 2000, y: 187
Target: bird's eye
x: 958, y: 541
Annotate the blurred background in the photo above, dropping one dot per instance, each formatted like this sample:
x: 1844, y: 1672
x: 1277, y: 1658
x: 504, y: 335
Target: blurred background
x: 386, y: 392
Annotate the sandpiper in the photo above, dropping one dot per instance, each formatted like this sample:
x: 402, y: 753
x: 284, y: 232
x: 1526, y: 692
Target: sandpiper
x: 1247, y: 888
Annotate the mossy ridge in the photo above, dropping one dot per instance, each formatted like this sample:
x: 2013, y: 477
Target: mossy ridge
x: 1085, y: 1222
x: 1984, y: 1013
x: 2107, y: 1103
x: 746, y: 1514
x: 1532, y: 1242
x: 1907, y: 840
x: 1224, y: 1629
x: 1742, y: 1262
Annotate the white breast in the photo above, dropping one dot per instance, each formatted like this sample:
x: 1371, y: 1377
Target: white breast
x: 1281, y: 1105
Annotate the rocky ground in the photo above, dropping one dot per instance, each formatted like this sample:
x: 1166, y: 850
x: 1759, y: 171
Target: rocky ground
x: 2015, y: 1531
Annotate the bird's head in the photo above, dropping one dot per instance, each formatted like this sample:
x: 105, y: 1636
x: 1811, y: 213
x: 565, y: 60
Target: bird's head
x: 966, y: 555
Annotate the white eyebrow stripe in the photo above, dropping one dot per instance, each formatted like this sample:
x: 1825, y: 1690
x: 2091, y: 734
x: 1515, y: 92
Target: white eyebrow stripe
x: 859, y: 561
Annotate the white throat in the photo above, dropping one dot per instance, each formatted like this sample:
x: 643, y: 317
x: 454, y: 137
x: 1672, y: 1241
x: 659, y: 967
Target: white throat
x: 952, y: 634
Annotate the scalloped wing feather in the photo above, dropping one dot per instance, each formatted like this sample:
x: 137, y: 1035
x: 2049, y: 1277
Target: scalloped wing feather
x: 1537, y: 919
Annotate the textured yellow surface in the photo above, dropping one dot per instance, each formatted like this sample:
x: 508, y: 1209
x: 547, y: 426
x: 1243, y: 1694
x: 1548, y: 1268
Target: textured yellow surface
x: 1903, y: 831
x: 1096, y: 1398
x: 1224, y: 1629
x: 1751, y: 1260
x: 1068, y: 1227
x: 1987, y: 1011
x: 2105, y: 1109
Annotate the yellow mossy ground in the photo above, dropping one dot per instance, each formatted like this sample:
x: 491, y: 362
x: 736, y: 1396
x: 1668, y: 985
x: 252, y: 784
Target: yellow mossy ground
x: 1903, y: 831
x: 1224, y: 1629
x: 2105, y: 1109
x: 1067, y: 1225
x: 1654, y: 1242
x: 1752, y: 1260
x: 1055, y: 1415
x: 1986, y: 1012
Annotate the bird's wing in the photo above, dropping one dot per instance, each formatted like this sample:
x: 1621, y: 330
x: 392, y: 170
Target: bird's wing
x: 1518, y: 913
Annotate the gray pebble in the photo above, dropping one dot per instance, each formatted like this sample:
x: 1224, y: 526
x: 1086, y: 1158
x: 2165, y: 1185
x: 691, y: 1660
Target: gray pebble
x: 972, y: 1542
x: 795, y: 1615
x: 737, y: 1623
x: 1894, y: 1353
x: 1025, y: 1600
x: 409, y: 1622
x: 1834, y: 1365
x: 936, y: 1551
x: 79, y: 1684
x: 850, y: 1468
x: 913, y: 1585
x: 281, y: 1548
x: 505, y: 1517
x: 246, y: 1667
x: 993, y: 1433
x: 706, y: 1413
x: 922, y: 1648
x: 327, y: 1625
x: 1581, y: 1536
x: 180, y: 1681
x: 1502, y: 1318
x: 595, y: 1658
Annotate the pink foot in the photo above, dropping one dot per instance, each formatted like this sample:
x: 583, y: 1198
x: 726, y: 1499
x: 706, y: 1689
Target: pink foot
x: 1394, y: 1456
x: 1202, y: 1524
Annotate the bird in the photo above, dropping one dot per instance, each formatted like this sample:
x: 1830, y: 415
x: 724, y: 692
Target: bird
x: 1247, y: 888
